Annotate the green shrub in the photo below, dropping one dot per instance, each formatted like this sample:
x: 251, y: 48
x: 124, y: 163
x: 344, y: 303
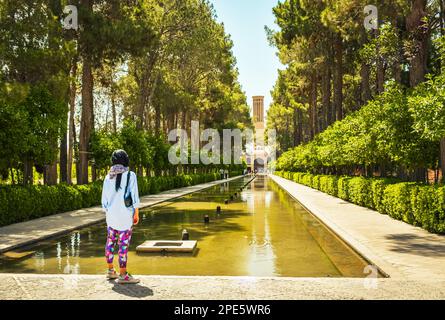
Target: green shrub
x: 439, y: 215
x: 343, y: 188
x: 286, y: 175
x: 306, y: 179
x: 316, y: 182
x: 154, y: 186
x: 427, y: 199
x: 91, y: 194
x: 420, y: 205
x: 328, y: 184
x: 4, y: 208
x: 69, y: 198
x: 359, y: 191
x: 397, y: 201
x: 48, y: 201
x: 22, y: 208
x: 144, y: 186
x: 332, y: 185
x: 296, y: 177
x: 378, y: 187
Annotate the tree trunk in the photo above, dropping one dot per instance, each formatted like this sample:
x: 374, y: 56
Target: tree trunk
x: 419, y: 32
x: 397, y: 70
x: 338, y: 77
x: 175, y: 121
x: 380, y: 68
x: 28, y: 175
x: 93, y: 173
x: 442, y: 141
x: 113, y: 109
x: 71, y: 125
x: 50, y: 174
x: 326, y: 92
x: 296, y: 125
x: 380, y: 75
x: 313, y: 106
x: 383, y: 170
x: 396, y: 67
x: 51, y: 169
x: 442, y: 158
x: 157, y: 109
x: 87, y: 120
x: 184, y: 120
x: 146, y: 85
x: 300, y: 126
x: 11, y: 173
x: 157, y: 120
x: 365, y: 87
x: 365, y: 73
x: 140, y: 114
x: 64, y: 157
x: 442, y: 16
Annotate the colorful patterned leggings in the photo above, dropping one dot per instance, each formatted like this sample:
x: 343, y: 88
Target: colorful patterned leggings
x: 122, y: 239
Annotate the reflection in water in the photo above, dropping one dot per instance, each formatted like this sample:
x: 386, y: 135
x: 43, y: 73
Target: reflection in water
x: 263, y: 232
x: 261, y: 257
x: 39, y: 261
x: 59, y: 256
x: 72, y: 260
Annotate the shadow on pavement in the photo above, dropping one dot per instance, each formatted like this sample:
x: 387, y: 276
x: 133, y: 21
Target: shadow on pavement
x: 132, y: 290
x: 431, y: 246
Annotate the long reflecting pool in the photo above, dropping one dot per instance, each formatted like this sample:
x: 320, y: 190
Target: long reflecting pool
x: 262, y: 232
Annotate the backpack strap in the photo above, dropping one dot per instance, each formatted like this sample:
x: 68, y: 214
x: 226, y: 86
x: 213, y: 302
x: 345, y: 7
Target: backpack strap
x: 128, y: 182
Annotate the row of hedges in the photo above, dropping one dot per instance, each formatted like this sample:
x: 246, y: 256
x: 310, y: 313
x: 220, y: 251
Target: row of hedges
x: 18, y: 203
x: 418, y: 204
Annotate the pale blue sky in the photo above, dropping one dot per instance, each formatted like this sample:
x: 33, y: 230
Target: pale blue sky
x: 257, y: 62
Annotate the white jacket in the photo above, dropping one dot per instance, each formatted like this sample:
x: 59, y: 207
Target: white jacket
x: 119, y: 217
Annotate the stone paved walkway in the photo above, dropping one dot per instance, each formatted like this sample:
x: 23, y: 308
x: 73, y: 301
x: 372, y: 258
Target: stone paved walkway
x: 50, y: 287
x: 25, y: 233
x: 401, y: 250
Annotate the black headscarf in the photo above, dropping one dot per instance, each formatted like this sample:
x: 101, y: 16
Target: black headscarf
x: 119, y: 157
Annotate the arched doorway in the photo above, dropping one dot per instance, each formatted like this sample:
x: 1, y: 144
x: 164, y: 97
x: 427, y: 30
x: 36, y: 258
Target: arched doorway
x: 259, y: 165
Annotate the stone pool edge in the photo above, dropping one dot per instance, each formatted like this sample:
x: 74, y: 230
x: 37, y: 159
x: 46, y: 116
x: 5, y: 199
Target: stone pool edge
x: 27, y: 233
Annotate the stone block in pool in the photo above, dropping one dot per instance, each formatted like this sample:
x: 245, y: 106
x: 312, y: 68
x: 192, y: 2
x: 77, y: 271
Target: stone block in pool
x: 167, y: 246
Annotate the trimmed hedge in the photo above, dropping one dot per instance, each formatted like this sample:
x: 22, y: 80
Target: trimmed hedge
x: 18, y: 203
x: 417, y: 204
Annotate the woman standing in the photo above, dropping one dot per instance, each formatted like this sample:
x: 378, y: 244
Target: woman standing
x: 120, y: 201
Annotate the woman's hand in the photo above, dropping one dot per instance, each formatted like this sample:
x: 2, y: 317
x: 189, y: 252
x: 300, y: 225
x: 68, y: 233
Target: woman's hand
x: 136, y: 216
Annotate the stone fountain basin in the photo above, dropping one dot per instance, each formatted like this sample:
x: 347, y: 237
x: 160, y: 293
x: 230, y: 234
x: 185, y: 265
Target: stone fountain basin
x: 167, y: 246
